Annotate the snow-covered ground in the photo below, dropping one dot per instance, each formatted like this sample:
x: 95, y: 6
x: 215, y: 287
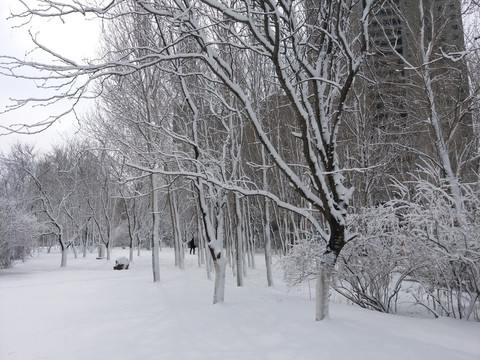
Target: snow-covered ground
x: 88, y: 311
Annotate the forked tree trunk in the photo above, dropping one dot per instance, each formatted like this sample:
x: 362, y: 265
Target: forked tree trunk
x: 215, y: 243
x: 220, y: 265
x: 75, y: 252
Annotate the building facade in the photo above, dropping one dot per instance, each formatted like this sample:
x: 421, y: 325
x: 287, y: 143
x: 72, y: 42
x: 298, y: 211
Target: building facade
x: 416, y: 74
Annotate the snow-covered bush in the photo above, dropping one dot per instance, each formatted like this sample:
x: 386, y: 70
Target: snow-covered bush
x: 449, y: 241
x: 301, y: 260
x: 19, y: 232
x: 420, y: 237
x: 373, y: 266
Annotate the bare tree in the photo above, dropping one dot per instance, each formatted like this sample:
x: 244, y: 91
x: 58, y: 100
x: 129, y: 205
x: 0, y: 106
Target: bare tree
x: 52, y: 195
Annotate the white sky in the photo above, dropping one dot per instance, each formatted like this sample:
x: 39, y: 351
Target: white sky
x: 76, y: 38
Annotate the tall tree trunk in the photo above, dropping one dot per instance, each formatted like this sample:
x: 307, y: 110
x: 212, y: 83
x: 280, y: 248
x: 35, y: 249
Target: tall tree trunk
x: 267, y: 237
x: 201, y: 242
x: 129, y: 227
x: 268, y: 245
x: 250, y: 236
x: 156, y: 229
x: 239, y: 242
x: 443, y: 150
x: 177, y: 237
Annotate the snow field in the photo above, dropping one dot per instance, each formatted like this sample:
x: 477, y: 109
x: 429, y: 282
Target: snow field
x: 88, y: 311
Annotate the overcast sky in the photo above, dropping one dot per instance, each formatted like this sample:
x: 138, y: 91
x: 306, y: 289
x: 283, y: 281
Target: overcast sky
x: 77, y: 38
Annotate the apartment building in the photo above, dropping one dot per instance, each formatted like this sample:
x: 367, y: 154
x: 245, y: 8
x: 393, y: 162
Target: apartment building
x: 416, y: 72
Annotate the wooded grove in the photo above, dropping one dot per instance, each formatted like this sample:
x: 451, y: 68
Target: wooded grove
x: 339, y: 138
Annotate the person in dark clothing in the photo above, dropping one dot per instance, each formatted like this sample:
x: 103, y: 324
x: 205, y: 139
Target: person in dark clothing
x: 192, y: 246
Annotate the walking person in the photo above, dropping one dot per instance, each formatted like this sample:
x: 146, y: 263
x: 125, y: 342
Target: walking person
x: 192, y: 246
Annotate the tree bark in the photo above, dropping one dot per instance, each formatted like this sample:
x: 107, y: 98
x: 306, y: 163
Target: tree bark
x: 156, y: 228
x: 64, y: 257
x: 239, y: 242
x: 325, y: 270
x: 267, y: 237
x: 177, y: 237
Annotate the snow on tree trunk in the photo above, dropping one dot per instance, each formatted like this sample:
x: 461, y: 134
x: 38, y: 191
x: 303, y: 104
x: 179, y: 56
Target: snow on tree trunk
x: 324, y: 280
x: 326, y: 266
x: 130, y: 253
x: 208, y: 262
x: 75, y: 252
x: 219, y: 264
x: 215, y: 236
